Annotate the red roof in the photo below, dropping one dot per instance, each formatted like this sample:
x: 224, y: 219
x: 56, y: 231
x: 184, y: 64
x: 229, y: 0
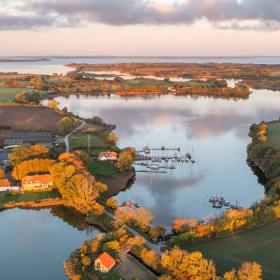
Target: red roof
x: 108, y: 154
x: 5, y: 183
x: 107, y: 260
x: 45, y: 178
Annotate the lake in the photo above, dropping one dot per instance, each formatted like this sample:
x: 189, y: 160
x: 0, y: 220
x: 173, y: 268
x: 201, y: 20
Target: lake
x: 35, y: 243
x: 215, y: 131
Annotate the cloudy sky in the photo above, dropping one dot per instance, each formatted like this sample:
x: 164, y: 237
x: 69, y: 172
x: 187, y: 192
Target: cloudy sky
x: 140, y: 27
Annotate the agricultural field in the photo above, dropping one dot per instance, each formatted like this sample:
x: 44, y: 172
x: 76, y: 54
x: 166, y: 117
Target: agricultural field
x: 7, y: 94
x: 273, y: 137
x: 27, y: 118
x: 88, y: 141
x: 261, y: 245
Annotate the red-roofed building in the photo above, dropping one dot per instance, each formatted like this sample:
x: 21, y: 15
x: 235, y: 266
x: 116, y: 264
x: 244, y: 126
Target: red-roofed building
x: 104, y: 263
x: 37, y: 182
x: 108, y: 156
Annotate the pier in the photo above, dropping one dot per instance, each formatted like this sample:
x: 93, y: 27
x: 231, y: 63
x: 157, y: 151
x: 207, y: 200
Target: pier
x: 219, y: 202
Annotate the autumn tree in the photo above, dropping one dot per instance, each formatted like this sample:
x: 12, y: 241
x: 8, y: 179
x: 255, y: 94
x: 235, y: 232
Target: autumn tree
x: 66, y: 125
x: 182, y: 265
x: 156, y: 232
x: 125, y: 160
x: 53, y: 104
x: 113, y: 138
x: 2, y: 174
x: 112, y: 203
x: 250, y: 271
x: 31, y: 166
x: 77, y: 188
x: 23, y: 153
x: 150, y: 258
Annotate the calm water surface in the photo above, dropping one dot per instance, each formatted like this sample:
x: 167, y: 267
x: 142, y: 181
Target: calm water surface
x: 214, y: 130
x: 34, y: 244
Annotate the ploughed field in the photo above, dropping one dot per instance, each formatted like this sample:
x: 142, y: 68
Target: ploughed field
x: 29, y: 118
x: 261, y: 245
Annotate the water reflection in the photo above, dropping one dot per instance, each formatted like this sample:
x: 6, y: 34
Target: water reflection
x: 35, y: 243
x: 215, y: 130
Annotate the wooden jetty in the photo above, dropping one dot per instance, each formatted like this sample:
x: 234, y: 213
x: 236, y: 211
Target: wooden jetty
x: 219, y: 202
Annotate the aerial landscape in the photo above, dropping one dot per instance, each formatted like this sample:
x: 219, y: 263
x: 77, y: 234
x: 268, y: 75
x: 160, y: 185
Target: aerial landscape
x: 140, y: 140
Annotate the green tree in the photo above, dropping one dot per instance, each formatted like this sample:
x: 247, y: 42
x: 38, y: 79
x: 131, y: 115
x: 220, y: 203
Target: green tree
x: 66, y: 125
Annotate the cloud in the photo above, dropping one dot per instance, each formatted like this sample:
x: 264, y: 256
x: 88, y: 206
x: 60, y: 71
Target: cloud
x: 225, y: 14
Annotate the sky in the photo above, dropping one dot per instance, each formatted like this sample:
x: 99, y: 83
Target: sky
x: 140, y: 27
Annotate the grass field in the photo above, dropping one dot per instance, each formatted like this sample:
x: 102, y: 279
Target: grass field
x: 102, y: 168
x: 7, y: 94
x: 261, y: 245
x: 273, y: 138
x: 32, y: 196
x: 83, y: 140
x: 29, y: 118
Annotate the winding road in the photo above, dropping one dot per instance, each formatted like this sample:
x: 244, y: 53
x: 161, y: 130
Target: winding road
x: 66, y: 139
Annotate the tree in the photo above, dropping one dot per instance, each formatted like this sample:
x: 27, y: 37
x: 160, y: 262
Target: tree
x: 150, y: 258
x: 31, y: 166
x: 19, y: 154
x: 53, y: 104
x: 250, y: 271
x: 182, y: 265
x: 66, y: 125
x: 77, y: 188
x: 156, y: 232
x: 113, y: 245
x: 86, y: 261
x: 135, y: 242
x: 125, y: 160
x: 231, y: 275
x: 112, y: 203
x: 113, y: 138
x: 2, y: 174
x: 23, y: 153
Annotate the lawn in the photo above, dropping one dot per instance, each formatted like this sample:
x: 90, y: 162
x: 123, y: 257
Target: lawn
x: 273, y: 138
x: 7, y: 94
x: 261, y: 245
x: 29, y: 196
x: 102, y: 168
x: 85, y: 140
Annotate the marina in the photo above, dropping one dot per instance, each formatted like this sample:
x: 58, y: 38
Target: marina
x: 219, y: 202
x: 155, y: 162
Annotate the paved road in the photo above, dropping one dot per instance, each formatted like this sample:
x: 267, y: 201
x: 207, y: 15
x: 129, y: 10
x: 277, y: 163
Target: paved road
x: 156, y: 247
x: 66, y: 139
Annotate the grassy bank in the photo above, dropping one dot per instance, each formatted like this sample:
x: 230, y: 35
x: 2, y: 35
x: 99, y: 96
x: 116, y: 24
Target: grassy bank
x: 102, y: 168
x: 25, y: 197
x: 261, y: 245
x: 273, y: 135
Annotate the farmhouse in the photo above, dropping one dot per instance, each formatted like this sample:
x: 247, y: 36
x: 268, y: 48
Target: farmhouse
x: 37, y: 182
x: 8, y: 138
x: 108, y: 156
x: 104, y: 263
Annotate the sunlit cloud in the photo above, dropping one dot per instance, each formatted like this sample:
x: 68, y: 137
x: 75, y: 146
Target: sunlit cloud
x: 225, y: 14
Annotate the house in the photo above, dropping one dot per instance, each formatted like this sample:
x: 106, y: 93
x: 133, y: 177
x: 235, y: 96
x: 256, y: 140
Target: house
x: 108, y: 156
x: 104, y: 263
x: 5, y: 185
x: 172, y: 90
x: 37, y: 182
